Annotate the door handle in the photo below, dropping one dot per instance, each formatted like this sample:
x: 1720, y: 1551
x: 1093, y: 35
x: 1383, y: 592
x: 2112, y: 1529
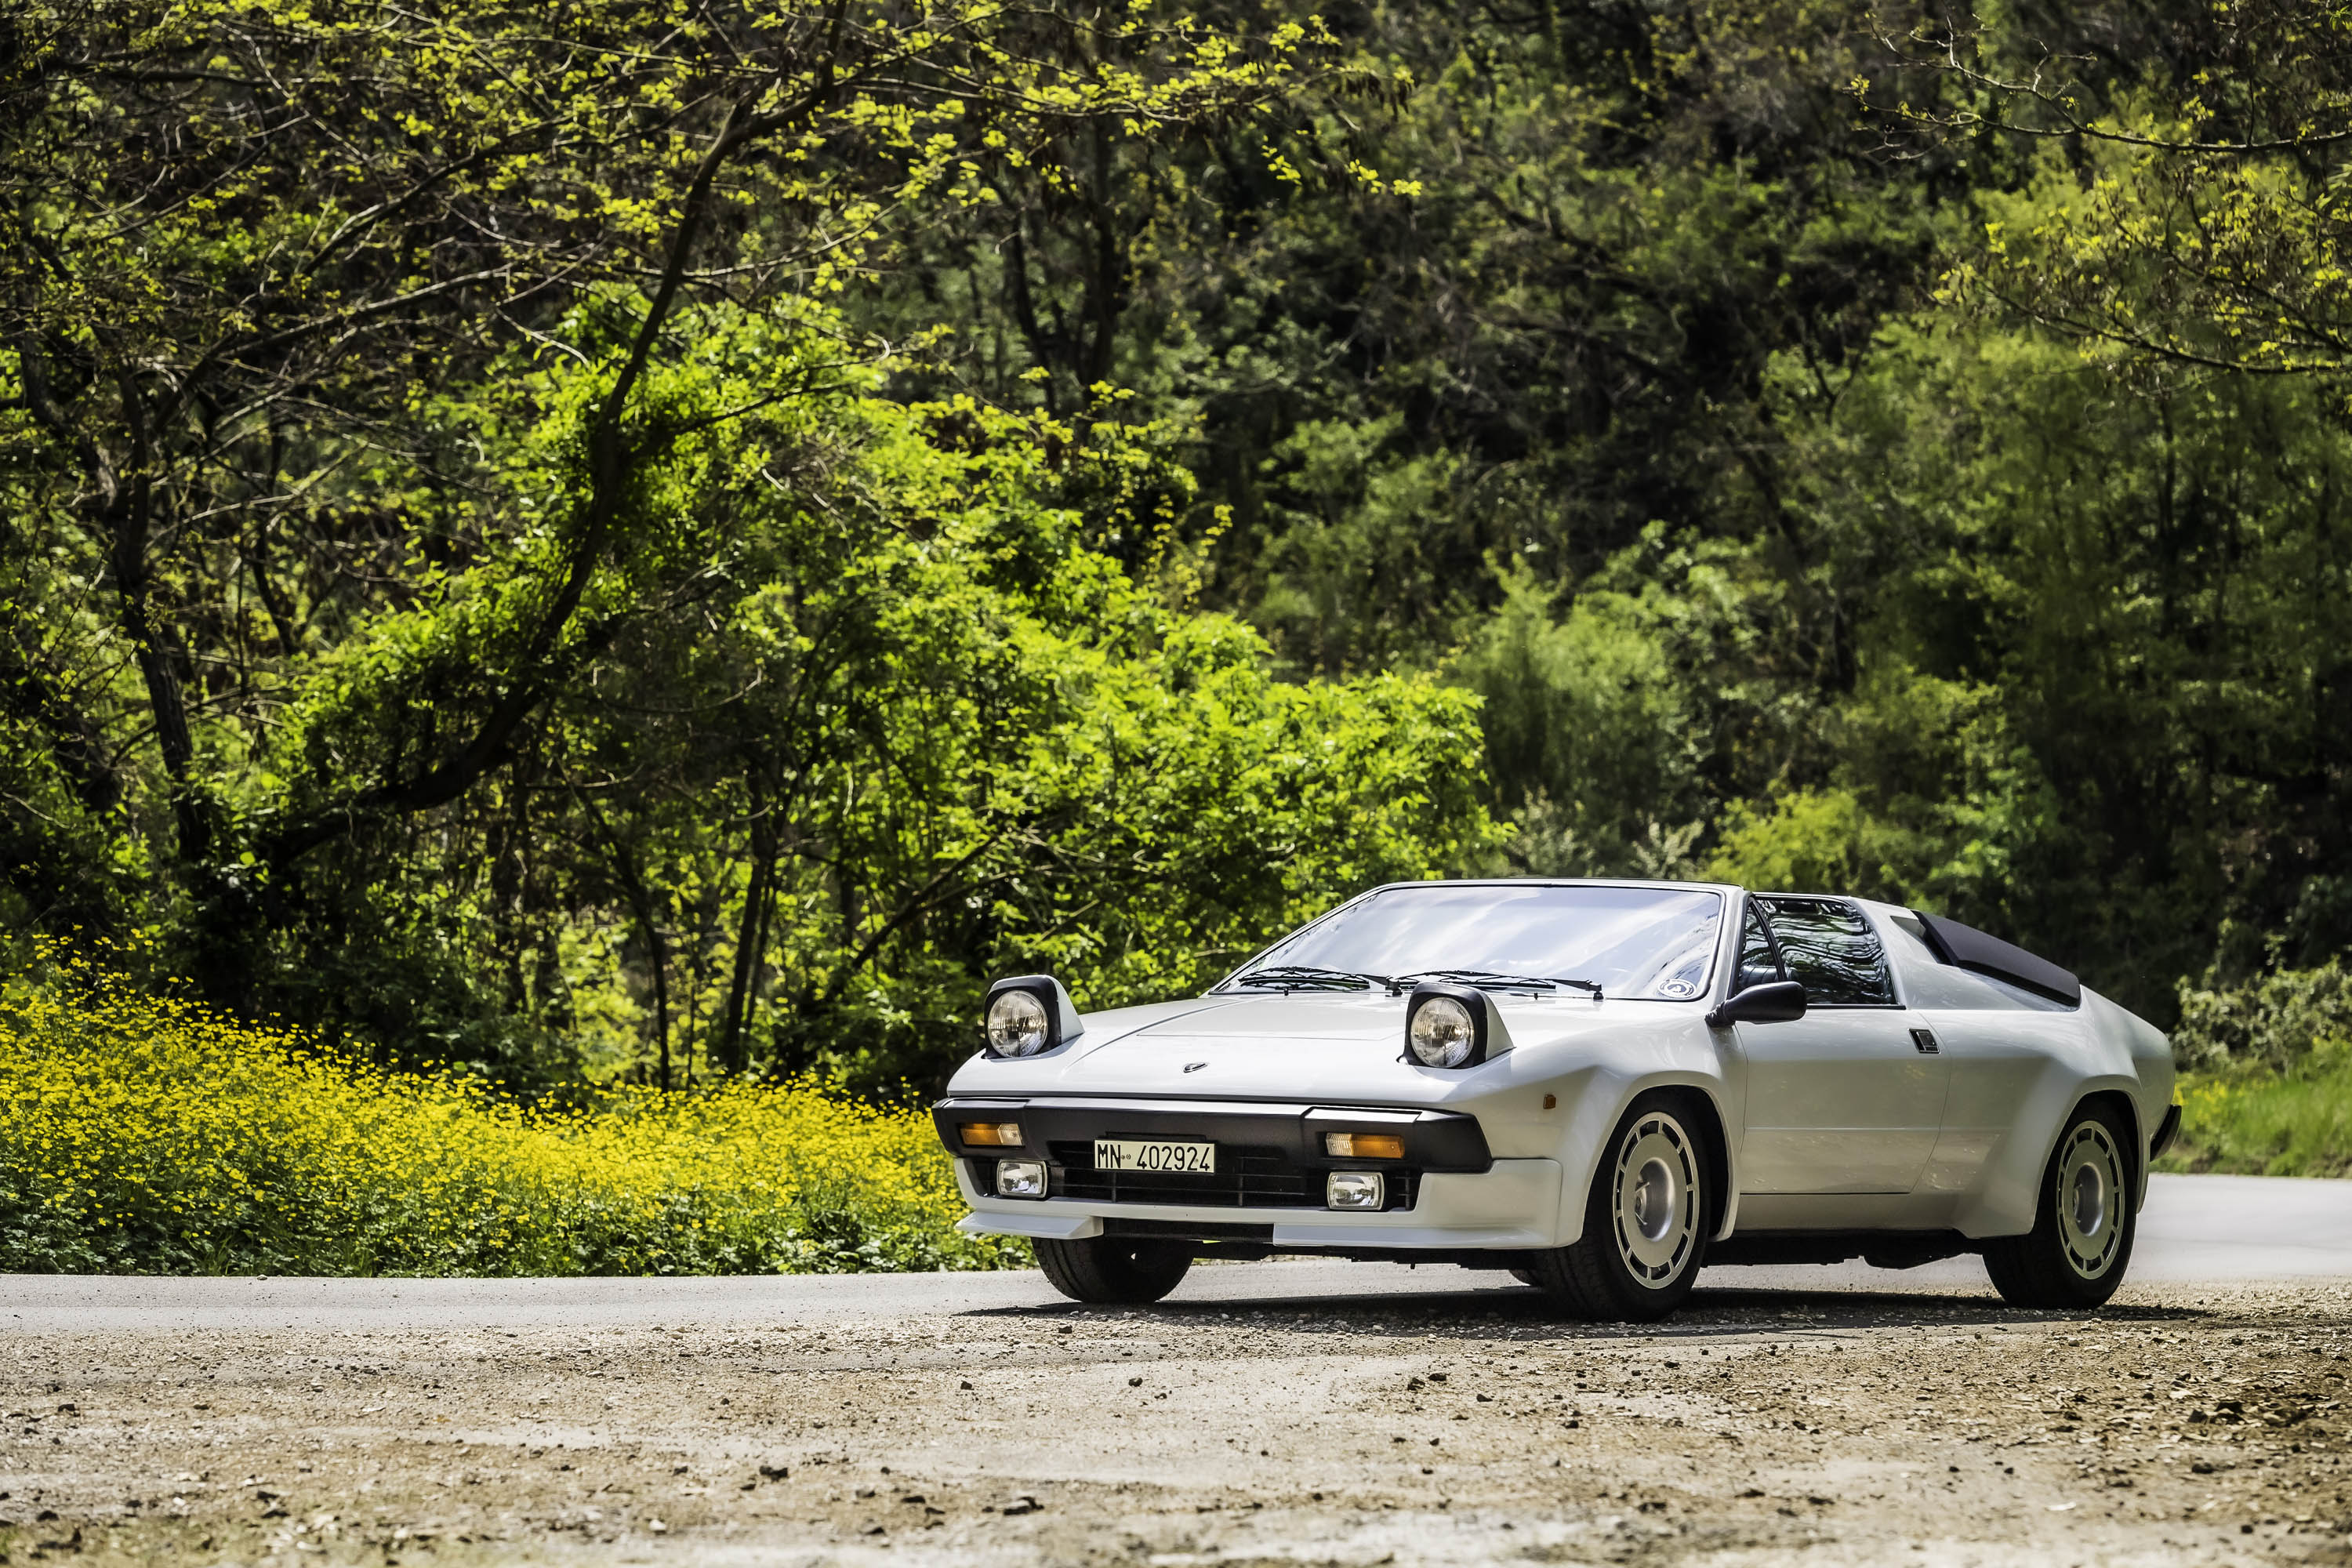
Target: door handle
x: 1926, y: 1040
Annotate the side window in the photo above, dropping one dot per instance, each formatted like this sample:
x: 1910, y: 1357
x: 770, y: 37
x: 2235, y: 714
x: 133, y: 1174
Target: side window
x: 1757, y: 964
x: 1830, y: 950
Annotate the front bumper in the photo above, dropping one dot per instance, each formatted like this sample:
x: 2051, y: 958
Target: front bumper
x: 1515, y: 1204
x: 1448, y: 1192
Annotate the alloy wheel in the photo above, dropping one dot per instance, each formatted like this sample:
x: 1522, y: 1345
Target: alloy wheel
x: 1657, y: 1206
x: 2089, y: 1199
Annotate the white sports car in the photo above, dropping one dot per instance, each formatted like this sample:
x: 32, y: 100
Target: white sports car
x: 1598, y: 1086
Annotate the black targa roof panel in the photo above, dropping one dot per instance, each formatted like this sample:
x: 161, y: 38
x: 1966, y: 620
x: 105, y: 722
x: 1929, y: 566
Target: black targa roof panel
x: 1968, y: 948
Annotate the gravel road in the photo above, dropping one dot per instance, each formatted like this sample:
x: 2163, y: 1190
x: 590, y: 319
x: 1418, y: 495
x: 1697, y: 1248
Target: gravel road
x: 1292, y: 1413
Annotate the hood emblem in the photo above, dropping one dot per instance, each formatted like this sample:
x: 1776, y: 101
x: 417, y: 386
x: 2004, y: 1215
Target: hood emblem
x: 1194, y: 1067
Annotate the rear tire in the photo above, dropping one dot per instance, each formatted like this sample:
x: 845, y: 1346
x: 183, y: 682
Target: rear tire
x: 1114, y: 1270
x: 1645, y: 1221
x: 2080, y: 1243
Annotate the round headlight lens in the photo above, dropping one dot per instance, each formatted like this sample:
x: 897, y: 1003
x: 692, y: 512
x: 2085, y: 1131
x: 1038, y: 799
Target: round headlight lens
x: 1016, y: 1023
x: 1441, y: 1034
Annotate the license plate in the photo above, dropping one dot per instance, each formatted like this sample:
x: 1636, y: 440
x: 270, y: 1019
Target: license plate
x: 1153, y: 1155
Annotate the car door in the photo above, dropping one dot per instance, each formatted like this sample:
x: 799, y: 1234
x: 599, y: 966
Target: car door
x: 1846, y: 1099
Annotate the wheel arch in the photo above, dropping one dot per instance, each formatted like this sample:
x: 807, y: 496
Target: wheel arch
x: 1706, y: 1120
x: 2134, y: 1145
x: 2008, y: 1197
x: 1703, y: 1106
x: 2041, y: 1268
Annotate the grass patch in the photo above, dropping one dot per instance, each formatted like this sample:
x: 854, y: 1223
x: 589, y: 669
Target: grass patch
x: 2286, y: 1124
x: 144, y: 1135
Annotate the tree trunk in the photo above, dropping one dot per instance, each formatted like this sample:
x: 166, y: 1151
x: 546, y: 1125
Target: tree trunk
x: 641, y: 909
x: 660, y: 956
x: 751, y: 946
x: 124, y: 503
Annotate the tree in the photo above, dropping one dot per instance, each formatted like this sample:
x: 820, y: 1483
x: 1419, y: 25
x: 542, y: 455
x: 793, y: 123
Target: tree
x: 238, y: 236
x: 255, y: 256
x: 2184, y: 206
x: 896, y: 731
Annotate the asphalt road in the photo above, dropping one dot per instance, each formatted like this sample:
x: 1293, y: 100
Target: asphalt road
x: 2217, y: 1229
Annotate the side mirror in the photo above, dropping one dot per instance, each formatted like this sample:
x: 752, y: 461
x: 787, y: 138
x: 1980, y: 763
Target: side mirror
x: 1781, y: 1002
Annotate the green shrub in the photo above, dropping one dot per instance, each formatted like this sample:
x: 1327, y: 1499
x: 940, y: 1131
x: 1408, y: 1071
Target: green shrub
x: 2291, y: 1125
x: 2280, y: 1021
x: 2267, y: 1074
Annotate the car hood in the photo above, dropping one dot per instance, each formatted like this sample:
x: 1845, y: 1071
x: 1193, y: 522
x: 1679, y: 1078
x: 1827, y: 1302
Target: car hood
x: 1302, y: 1045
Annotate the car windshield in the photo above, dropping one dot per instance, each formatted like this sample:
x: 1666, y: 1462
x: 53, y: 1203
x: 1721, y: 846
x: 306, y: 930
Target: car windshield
x: 1638, y: 942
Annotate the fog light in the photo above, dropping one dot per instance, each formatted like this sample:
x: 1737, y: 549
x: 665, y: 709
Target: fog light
x: 1351, y: 1190
x: 993, y: 1134
x: 1363, y: 1145
x: 1023, y: 1178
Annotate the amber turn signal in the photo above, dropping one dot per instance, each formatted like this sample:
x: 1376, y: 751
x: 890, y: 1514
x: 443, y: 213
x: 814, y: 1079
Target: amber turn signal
x: 1363, y: 1145
x: 995, y: 1134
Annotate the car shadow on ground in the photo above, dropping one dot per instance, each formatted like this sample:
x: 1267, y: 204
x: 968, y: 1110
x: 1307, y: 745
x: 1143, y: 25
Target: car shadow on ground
x: 1521, y: 1313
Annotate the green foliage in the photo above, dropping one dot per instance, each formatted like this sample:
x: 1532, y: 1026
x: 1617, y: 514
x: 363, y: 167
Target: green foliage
x: 1806, y: 841
x: 471, y: 595
x: 685, y: 544
x: 1588, y: 723
x: 894, y: 725
x: 2181, y: 201
x: 1902, y: 497
x: 2097, y: 682
x: 2285, y: 1021
x: 2298, y: 1125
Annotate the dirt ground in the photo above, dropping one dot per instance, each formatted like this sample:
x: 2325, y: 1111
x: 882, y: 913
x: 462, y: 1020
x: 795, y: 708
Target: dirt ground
x: 2187, y: 1424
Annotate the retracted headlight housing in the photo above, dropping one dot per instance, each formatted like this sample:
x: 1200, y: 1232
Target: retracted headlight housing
x: 1028, y: 1016
x: 1452, y: 1027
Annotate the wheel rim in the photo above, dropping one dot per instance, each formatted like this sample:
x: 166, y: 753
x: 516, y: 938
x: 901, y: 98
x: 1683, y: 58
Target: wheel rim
x: 1657, y: 1191
x: 2089, y: 1199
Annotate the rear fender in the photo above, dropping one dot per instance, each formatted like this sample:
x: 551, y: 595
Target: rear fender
x: 2007, y: 1200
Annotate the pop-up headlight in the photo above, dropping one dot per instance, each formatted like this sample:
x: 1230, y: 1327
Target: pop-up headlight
x: 1447, y: 1026
x: 1028, y: 1016
x: 1018, y: 1023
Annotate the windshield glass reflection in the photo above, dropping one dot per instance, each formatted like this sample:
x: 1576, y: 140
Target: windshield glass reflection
x: 1639, y: 943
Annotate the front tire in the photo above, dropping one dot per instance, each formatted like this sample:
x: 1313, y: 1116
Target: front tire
x: 1114, y: 1270
x: 1645, y: 1221
x: 2080, y: 1243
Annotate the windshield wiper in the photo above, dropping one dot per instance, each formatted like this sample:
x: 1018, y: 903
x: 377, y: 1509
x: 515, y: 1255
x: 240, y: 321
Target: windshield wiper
x: 1486, y: 979
x: 1312, y: 977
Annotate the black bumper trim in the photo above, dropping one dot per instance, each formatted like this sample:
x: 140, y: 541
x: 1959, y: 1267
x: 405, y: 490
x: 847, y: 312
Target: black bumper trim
x: 1189, y: 1230
x: 1433, y: 1140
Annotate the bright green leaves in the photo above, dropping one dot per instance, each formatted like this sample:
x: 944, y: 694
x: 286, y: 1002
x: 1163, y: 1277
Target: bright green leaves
x: 2184, y: 197
x: 492, y: 538
x: 864, y: 647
